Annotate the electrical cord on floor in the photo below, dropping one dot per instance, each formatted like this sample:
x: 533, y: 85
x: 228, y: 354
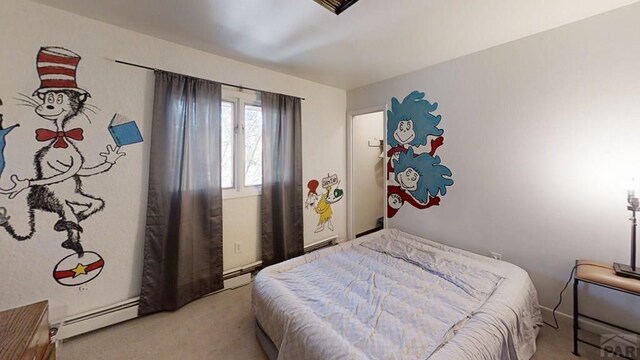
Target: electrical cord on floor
x: 555, y: 320
x: 573, y: 270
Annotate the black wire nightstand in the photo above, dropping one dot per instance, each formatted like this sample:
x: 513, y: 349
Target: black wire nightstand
x: 603, y: 275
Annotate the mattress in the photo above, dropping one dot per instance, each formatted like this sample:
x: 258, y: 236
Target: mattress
x: 392, y: 295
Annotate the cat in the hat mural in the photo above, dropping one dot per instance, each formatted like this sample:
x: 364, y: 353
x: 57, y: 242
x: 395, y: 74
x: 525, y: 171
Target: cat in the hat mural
x: 59, y: 165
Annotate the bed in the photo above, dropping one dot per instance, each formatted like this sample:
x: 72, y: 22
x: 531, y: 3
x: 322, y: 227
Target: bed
x: 392, y: 295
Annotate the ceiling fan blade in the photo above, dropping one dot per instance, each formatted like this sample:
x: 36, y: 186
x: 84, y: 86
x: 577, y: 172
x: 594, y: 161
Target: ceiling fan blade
x: 336, y: 6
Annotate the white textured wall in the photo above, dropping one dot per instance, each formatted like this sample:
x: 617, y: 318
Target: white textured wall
x: 117, y: 232
x: 240, y: 219
x: 368, y: 172
x: 540, y: 135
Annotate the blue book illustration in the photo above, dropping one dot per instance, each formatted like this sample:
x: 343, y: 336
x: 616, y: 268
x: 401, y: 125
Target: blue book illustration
x: 3, y: 133
x: 124, y: 131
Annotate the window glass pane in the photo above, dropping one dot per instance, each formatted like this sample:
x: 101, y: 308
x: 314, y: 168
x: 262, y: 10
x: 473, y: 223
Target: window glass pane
x: 252, y: 145
x: 227, y: 146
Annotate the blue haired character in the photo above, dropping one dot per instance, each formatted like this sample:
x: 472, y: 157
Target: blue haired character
x: 421, y: 175
x: 396, y: 197
x: 410, y: 123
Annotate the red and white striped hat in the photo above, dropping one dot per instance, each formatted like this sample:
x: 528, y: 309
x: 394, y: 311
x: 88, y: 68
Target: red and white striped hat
x: 57, y: 69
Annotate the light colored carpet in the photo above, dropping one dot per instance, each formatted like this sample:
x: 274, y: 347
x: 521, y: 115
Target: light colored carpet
x: 221, y: 326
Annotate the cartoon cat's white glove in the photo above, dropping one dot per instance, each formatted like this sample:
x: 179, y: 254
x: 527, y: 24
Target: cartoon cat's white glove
x: 112, y: 155
x: 18, y: 186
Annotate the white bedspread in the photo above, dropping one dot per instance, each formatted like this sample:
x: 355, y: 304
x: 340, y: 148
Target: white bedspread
x: 391, y: 295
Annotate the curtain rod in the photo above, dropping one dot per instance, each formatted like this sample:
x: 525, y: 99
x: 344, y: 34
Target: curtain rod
x: 222, y: 83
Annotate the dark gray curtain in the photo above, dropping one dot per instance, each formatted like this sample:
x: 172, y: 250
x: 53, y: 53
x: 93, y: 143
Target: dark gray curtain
x: 281, y: 201
x: 183, y: 239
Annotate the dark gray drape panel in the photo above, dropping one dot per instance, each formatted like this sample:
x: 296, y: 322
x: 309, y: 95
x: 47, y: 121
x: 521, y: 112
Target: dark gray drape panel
x: 183, y: 239
x: 281, y: 201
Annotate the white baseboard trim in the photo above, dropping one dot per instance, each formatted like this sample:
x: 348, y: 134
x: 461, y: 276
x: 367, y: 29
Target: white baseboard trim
x: 241, y: 270
x: 547, y: 314
x: 237, y: 281
x: 120, y: 312
x: 616, y: 339
x: 93, y: 320
x: 585, y: 324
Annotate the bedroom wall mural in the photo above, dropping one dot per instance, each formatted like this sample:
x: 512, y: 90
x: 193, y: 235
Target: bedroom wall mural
x: 321, y: 201
x: 415, y: 173
x: 59, y: 167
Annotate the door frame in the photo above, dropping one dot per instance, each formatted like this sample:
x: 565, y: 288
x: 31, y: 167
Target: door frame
x: 350, y: 179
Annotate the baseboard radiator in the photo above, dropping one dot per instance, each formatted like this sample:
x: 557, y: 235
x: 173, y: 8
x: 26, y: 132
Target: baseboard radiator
x: 128, y: 309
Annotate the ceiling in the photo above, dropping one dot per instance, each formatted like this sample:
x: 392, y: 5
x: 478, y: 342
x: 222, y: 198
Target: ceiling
x: 374, y: 40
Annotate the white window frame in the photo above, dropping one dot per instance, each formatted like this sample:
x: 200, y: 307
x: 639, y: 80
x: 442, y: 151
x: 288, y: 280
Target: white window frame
x: 240, y: 99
